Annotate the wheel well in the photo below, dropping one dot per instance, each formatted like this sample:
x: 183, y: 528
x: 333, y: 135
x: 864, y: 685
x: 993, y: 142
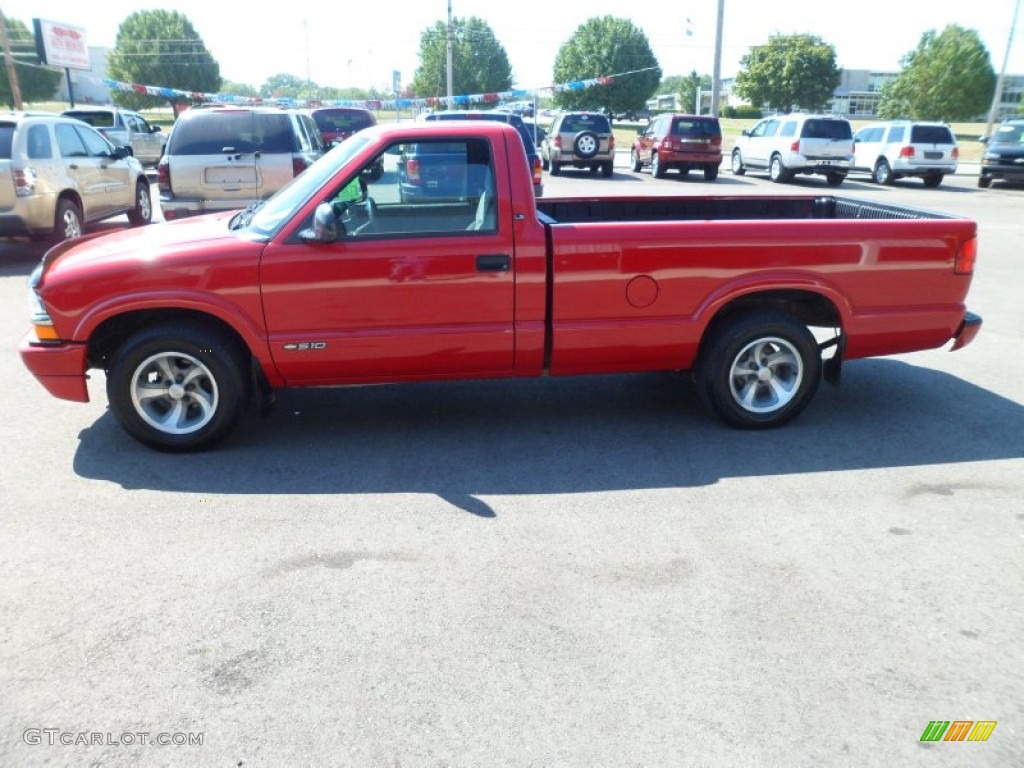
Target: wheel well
x: 811, y: 309
x: 112, y: 332
x: 68, y: 194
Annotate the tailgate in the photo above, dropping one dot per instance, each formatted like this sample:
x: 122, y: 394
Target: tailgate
x: 825, y: 149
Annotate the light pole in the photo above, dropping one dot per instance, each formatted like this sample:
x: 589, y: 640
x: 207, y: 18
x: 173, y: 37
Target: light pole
x: 449, y: 54
x: 716, y: 75
x: 997, y: 97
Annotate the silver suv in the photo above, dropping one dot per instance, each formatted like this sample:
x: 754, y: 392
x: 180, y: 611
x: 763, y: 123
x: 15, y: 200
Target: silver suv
x: 892, y: 150
x: 57, y: 174
x: 580, y: 140
x: 124, y: 128
x: 786, y: 145
x: 221, y: 158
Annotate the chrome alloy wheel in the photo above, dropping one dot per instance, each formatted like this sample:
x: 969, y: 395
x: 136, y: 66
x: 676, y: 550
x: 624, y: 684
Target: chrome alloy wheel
x: 766, y: 375
x: 174, y: 393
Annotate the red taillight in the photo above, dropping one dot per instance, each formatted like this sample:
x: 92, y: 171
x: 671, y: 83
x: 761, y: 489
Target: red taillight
x: 966, y: 255
x: 536, y: 171
x: 955, y: 153
x: 795, y: 147
x: 163, y: 175
x: 558, y: 141
x: 611, y: 143
x: 412, y: 171
x: 907, y: 152
x: 299, y: 164
x: 24, y: 181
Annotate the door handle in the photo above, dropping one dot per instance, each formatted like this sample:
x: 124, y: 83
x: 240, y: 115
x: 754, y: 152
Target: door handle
x: 492, y: 262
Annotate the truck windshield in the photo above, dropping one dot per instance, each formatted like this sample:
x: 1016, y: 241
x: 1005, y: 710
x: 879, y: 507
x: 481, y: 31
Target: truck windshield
x: 290, y: 198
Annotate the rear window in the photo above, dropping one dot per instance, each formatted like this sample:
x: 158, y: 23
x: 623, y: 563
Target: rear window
x: 342, y: 122
x: 577, y: 123
x: 6, y: 140
x: 501, y: 117
x: 95, y: 119
x: 695, y: 129
x: 931, y: 134
x: 835, y: 130
x: 210, y: 133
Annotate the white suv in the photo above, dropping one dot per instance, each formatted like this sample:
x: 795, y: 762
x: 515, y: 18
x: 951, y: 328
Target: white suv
x: 889, y: 151
x: 786, y: 145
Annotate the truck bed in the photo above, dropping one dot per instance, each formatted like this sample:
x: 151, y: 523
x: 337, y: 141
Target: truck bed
x: 583, y: 210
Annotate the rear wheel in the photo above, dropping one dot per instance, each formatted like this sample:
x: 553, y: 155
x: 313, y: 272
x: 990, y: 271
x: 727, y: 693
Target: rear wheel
x: 178, y: 387
x: 67, y: 221
x: 544, y: 164
x: 777, y: 171
x: 834, y: 179
x: 143, y: 212
x: 932, y: 181
x: 738, y: 169
x: 883, y: 173
x: 710, y: 172
x: 759, y: 370
x: 657, y: 169
x: 634, y: 161
x: 556, y: 167
x: 608, y: 169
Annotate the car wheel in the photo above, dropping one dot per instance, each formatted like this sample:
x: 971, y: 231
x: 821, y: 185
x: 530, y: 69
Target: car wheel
x: 737, y: 167
x: 608, y: 169
x: 634, y: 161
x: 933, y: 180
x: 544, y: 164
x: 143, y: 212
x: 376, y: 170
x: 777, y: 171
x: 67, y: 221
x: 984, y: 182
x: 657, y: 169
x: 835, y: 179
x: 556, y: 168
x: 883, y: 173
x: 178, y: 387
x: 710, y: 172
x: 586, y: 144
x: 594, y: 168
x: 759, y: 370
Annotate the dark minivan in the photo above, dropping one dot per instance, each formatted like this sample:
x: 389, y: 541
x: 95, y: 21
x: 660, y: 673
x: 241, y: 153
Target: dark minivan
x: 1003, y: 159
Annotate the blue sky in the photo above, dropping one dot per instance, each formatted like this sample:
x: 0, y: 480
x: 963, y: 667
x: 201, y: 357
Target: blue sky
x: 350, y: 43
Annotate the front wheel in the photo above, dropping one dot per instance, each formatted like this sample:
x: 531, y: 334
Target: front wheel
x: 738, y: 169
x: 178, y: 387
x: 758, y: 370
x: 984, y: 182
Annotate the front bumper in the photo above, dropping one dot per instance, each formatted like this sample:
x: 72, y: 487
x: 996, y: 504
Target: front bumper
x: 59, y: 367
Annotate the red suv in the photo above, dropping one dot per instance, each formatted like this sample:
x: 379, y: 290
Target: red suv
x: 338, y: 123
x: 679, y: 141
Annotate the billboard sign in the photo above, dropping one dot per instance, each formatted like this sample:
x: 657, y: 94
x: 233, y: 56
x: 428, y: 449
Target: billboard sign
x: 61, y: 45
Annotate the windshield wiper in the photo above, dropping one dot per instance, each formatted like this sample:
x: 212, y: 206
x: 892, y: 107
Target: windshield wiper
x: 242, y: 218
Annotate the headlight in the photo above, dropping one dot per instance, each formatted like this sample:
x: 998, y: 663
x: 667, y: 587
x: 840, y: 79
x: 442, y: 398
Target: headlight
x: 990, y: 156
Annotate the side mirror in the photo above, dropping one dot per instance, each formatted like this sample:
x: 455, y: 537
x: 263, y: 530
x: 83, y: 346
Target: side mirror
x: 154, y: 129
x: 983, y: 139
x: 856, y: 140
x: 122, y: 152
x: 325, y: 226
x: 744, y: 132
x: 394, y: 149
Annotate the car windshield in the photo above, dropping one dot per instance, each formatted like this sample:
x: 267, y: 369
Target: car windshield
x: 97, y: 119
x: 1009, y: 134
x: 280, y: 208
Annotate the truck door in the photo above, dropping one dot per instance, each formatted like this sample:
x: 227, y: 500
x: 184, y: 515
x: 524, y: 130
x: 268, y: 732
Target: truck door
x: 414, y: 284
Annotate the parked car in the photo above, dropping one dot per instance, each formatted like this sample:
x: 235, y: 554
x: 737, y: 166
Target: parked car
x: 683, y: 142
x: 502, y: 116
x: 124, y: 128
x: 580, y: 140
x: 338, y: 123
x: 786, y: 145
x: 1003, y: 159
x: 898, y: 148
x: 58, y: 174
x: 224, y: 157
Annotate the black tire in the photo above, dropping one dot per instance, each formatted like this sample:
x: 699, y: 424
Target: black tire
x: 932, y: 181
x: 657, y: 169
x: 737, y: 167
x: 634, y: 161
x: 556, y: 168
x: 142, y: 214
x: 608, y: 169
x: 710, y: 172
x: 206, y: 397
x: 777, y: 170
x: 883, y: 173
x: 835, y: 179
x: 544, y: 164
x: 67, y: 221
x: 376, y: 170
x: 586, y: 144
x: 984, y: 182
x: 787, y: 362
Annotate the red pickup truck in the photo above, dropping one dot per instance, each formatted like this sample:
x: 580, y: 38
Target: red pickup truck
x: 455, y: 270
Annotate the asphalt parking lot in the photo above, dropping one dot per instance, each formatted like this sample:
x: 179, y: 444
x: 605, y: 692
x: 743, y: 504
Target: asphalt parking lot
x: 574, y: 572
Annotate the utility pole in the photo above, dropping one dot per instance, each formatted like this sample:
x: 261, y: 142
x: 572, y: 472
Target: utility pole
x: 12, y: 73
x: 716, y: 76
x: 997, y: 97
x: 450, y: 94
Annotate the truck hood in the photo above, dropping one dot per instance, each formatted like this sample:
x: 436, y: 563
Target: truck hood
x: 151, y: 245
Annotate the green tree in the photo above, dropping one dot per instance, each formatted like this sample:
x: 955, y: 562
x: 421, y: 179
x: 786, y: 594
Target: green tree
x: 35, y: 82
x: 163, y: 49
x: 284, y: 86
x: 948, y: 77
x: 607, y: 46
x: 790, y: 71
x: 479, y: 62
x: 688, y: 89
x: 238, y: 89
